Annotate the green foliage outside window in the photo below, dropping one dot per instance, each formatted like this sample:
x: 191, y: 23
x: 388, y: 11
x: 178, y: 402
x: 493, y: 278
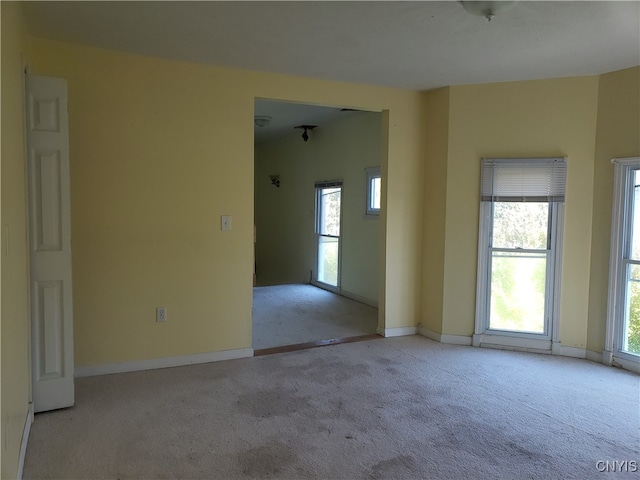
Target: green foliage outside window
x: 633, y: 327
x: 518, y: 278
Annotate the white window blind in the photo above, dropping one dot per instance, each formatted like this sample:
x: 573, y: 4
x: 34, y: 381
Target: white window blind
x: 523, y: 179
x: 328, y: 184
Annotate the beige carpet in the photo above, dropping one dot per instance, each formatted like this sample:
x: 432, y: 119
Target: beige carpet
x: 292, y: 314
x: 398, y: 408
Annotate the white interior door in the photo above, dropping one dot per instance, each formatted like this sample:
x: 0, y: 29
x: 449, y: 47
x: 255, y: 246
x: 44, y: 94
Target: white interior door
x: 50, y: 243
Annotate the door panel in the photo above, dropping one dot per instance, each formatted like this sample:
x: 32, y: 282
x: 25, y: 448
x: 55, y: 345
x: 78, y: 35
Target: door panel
x: 50, y: 243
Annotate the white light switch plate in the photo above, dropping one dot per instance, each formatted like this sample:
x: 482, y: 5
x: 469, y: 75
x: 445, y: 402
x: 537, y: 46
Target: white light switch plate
x: 225, y: 222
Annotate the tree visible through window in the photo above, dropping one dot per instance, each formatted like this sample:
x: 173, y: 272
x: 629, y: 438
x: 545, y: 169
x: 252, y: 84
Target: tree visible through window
x: 519, y: 266
x: 631, y: 327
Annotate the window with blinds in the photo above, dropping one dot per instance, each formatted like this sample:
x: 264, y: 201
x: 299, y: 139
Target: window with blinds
x: 524, y: 180
x: 521, y: 215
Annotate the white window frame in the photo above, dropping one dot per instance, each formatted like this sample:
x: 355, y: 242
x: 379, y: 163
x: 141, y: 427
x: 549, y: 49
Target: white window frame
x: 371, y: 174
x: 624, y: 169
x: 483, y: 335
x: 319, y: 186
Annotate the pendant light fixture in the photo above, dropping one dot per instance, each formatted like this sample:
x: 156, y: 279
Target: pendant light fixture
x: 305, y: 135
x: 486, y: 9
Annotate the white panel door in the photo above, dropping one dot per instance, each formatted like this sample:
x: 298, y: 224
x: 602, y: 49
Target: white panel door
x: 50, y: 243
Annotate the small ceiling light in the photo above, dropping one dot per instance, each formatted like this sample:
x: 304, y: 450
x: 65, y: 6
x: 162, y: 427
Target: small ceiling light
x: 486, y: 9
x: 261, y: 121
x: 305, y: 135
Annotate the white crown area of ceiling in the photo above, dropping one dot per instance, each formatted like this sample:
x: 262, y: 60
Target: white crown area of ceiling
x: 415, y: 45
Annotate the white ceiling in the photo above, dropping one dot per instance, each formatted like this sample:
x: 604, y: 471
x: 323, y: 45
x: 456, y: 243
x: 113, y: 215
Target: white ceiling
x: 413, y: 45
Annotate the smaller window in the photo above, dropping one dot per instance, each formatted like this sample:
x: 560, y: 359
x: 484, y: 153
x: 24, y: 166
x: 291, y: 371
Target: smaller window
x: 374, y: 187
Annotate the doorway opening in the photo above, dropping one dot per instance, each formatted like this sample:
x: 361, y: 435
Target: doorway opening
x: 316, y: 244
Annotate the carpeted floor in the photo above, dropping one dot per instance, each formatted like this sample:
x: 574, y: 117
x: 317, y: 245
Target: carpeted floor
x: 292, y: 314
x: 396, y: 408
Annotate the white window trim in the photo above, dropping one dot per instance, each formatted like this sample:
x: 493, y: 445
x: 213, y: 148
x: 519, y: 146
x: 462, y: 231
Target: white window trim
x: 371, y: 173
x: 483, y: 335
x: 617, y: 275
x: 314, y: 272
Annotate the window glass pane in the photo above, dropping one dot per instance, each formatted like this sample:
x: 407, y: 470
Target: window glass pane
x: 520, y: 225
x: 635, y: 225
x: 375, y: 193
x: 631, y: 332
x: 518, y: 291
x: 328, y: 260
x: 330, y: 211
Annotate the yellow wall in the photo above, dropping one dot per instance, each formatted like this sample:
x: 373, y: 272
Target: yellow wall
x: 618, y: 136
x: 286, y: 243
x: 520, y: 119
x: 14, y: 313
x: 159, y: 150
x: 436, y: 128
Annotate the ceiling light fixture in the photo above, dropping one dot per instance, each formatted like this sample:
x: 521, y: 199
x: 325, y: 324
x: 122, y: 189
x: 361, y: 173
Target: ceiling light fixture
x: 261, y: 120
x: 487, y: 10
x: 305, y: 135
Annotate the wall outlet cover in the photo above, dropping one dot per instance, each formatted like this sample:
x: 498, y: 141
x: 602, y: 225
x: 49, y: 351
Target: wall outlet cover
x: 161, y: 314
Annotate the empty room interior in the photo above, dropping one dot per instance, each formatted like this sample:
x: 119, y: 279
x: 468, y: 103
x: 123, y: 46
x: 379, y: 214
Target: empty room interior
x: 441, y: 198
x: 317, y: 223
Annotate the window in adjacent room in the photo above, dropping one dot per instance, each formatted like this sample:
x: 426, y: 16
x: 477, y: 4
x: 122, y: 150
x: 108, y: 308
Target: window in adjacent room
x: 520, y: 230
x: 328, y: 220
x: 374, y: 188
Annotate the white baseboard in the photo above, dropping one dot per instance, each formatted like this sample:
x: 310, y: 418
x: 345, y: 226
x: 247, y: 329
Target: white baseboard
x: 607, y: 358
x: 593, y: 356
x: 444, y: 338
x: 163, y: 362
x: 503, y: 342
x: 534, y: 346
x: 626, y: 364
x: 324, y: 286
x: 575, y: 352
x: 25, y: 440
x: 511, y: 342
x: 359, y: 298
x: 425, y: 332
x: 456, y: 339
x: 610, y: 359
x: 397, y: 332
